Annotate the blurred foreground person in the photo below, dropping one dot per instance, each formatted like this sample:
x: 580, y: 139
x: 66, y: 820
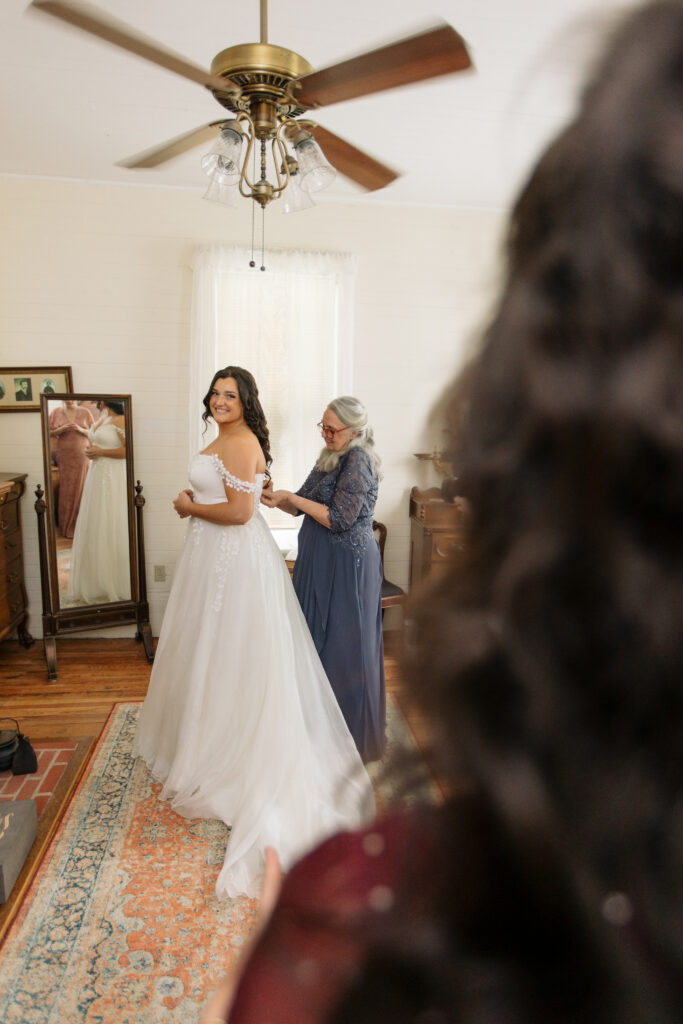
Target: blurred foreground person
x: 549, y: 661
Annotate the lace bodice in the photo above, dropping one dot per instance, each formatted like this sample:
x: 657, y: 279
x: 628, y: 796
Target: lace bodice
x: 350, y: 493
x: 107, y: 435
x: 209, y: 477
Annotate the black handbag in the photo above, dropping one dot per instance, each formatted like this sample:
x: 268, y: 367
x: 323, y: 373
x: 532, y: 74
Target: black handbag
x: 16, y: 751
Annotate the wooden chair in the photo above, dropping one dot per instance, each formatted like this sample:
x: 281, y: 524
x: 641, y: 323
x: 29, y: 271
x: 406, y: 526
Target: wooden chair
x: 392, y: 594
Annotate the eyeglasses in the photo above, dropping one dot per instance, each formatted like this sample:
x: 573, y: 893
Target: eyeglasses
x: 330, y: 432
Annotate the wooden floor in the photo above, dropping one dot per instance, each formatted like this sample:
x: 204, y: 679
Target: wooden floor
x: 93, y: 674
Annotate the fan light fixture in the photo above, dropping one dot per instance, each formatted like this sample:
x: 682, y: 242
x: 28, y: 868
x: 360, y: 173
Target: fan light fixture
x: 267, y: 89
x: 301, y: 172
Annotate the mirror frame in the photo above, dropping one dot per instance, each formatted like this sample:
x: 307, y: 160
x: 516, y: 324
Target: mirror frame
x: 56, y: 619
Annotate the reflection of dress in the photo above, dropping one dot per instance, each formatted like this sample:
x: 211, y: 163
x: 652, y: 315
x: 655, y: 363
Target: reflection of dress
x: 100, y: 560
x: 240, y: 722
x: 73, y: 465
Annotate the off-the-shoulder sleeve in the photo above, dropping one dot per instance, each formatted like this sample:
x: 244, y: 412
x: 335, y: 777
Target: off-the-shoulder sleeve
x: 353, y: 483
x: 233, y: 482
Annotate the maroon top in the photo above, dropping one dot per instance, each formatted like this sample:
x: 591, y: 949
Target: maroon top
x: 335, y: 904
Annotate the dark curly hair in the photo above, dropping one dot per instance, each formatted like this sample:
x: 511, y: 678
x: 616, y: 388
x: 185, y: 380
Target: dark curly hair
x: 549, y: 660
x: 115, y: 405
x: 254, y: 415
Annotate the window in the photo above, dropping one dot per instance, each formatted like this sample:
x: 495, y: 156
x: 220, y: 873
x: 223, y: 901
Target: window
x: 292, y: 327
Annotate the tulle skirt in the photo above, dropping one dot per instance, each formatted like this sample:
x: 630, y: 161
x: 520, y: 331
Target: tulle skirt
x: 240, y: 722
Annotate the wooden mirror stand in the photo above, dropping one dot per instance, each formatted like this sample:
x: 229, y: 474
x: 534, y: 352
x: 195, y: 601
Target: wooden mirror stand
x: 62, y: 616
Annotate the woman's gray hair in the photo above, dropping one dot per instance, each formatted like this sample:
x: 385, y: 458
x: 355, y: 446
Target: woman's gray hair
x: 352, y: 413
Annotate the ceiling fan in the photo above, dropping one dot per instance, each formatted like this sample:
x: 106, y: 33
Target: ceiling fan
x: 267, y: 89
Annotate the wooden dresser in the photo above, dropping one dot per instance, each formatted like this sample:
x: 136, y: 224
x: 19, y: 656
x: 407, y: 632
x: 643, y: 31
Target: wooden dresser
x: 13, y: 602
x: 435, y: 532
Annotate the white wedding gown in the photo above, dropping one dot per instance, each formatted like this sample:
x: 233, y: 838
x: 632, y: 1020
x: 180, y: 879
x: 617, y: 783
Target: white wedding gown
x: 240, y: 722
x: 100, y: 554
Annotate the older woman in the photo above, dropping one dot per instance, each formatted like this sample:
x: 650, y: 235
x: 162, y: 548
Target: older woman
x: 338, y: 571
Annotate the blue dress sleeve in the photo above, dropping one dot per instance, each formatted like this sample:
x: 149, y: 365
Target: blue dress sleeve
x: 308, y: 486
x: 353, y: 483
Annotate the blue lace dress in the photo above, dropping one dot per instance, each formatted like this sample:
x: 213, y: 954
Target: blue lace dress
x: 338, y: 580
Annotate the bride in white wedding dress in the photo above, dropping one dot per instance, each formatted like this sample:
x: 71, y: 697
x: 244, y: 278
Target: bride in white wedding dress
x: 100, y: 556
x: 240, y: 722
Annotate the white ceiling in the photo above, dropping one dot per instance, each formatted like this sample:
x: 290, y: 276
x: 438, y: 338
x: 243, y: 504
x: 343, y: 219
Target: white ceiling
x: 72, y: 105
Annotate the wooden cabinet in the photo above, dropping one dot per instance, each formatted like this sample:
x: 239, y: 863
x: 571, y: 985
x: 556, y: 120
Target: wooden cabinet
x: 435, y: 532
x: 13, y: 602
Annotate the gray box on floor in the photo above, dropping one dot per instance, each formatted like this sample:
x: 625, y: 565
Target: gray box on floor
x: 18, y: 826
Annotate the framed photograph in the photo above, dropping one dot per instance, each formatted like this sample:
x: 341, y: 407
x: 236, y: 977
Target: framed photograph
x: 21, y: 387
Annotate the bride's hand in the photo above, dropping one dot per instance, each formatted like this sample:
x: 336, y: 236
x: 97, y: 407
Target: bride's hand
x: 183, y: 503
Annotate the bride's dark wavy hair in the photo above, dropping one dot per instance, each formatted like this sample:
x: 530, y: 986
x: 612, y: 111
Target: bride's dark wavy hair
x: 254, y: 415
x: 549, y: 661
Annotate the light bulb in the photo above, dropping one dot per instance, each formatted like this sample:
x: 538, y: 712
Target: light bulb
x: 315, y: 172
x: 222, y: 162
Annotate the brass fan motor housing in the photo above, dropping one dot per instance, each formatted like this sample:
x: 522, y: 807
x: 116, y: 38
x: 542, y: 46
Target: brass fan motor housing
x: 263, y: 74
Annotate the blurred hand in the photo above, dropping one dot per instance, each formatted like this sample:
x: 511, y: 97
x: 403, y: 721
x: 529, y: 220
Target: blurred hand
x: 272, y: 883
x: 221, y: 1001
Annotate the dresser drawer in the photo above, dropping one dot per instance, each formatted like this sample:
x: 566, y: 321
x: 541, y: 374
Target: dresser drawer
x: 12, y: 607
x: 12, y: 574
x: 445, y: 546
x: 9, y: 518
x: 10, y: 549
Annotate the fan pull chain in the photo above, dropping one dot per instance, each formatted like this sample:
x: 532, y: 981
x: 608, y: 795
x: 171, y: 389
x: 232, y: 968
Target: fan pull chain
x: 252, y: 261
x: 263, y: 238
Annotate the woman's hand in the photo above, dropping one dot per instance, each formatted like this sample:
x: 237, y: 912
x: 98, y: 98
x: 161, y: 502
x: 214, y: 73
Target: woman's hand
x: 92, y: 451
x: 274, y: 499
x: 266, y: 492
x: 183, y: 503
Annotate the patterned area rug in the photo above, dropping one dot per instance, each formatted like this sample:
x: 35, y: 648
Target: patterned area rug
x: 121, y: 924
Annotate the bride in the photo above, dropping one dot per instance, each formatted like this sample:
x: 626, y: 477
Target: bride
x: 100, y: 562
x: 240, y: 722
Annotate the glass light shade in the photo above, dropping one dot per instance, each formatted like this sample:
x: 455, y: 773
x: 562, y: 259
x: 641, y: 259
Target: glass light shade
x: 219, y: 192
x: 294, y: 198
x: 222, y: 162
x: 314, y: 170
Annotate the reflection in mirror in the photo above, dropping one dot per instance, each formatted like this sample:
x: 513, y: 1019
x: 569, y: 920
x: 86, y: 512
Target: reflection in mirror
x: 90, y: 531
x: 90, y: 492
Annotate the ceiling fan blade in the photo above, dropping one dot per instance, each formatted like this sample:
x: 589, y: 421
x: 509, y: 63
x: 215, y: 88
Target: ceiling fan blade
x: 174, y: 147
x: 353, y: 163
x: 91, y: 19
x: 438, y: 51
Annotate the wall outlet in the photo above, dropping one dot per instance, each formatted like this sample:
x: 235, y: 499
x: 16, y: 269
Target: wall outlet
x: 159, y: 573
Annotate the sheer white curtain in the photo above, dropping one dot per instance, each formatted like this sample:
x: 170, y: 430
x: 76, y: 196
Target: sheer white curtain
x: 292, y: 327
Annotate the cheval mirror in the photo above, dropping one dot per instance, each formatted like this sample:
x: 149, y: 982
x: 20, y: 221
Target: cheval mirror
x: 90, y: 533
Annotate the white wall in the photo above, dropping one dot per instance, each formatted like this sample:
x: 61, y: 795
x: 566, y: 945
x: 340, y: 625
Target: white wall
x: 97, y: 277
